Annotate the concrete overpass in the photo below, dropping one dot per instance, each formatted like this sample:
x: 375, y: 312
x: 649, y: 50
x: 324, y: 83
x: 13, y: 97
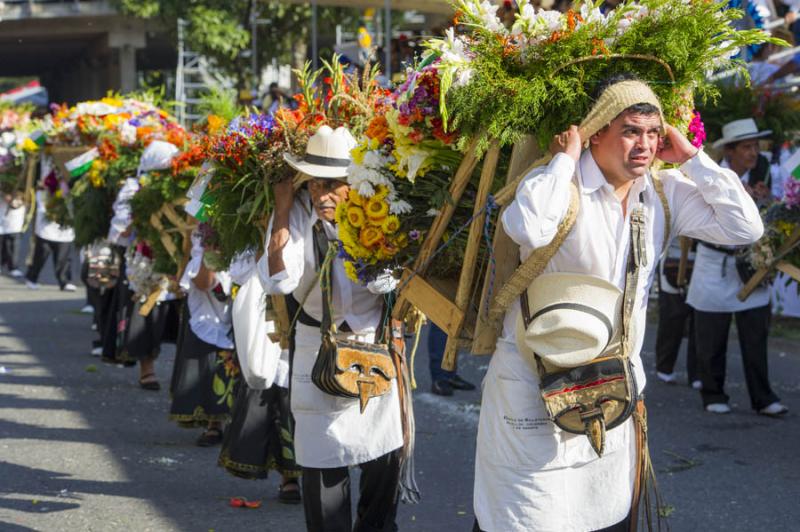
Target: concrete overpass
x: 78, y: 49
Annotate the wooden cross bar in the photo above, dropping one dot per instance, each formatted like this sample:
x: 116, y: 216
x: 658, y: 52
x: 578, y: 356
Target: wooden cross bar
x: 791, y: 243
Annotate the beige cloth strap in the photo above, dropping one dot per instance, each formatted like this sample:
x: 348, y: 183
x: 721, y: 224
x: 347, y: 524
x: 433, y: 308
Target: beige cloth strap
x: 534, y: 265
x: 658, y: 184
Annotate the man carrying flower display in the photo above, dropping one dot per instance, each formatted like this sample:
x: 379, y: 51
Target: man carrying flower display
x: 332, y: 432
x: 717, y: 280
x: 607, y: 217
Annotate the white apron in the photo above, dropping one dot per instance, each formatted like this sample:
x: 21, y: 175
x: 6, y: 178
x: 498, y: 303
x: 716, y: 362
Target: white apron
x: 532, y: 476
x: 331, y: 431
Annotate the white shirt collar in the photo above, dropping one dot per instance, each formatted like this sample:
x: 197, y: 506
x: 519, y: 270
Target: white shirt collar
x: 592, y: 178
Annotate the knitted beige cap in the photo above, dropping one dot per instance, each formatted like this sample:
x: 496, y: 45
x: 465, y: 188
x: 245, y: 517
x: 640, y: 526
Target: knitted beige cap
x: 613, y: 101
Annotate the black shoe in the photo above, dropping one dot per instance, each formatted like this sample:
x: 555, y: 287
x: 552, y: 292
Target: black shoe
x: 290, y: 496
x: 460, y: 384
x: 209, y: 438
x: 442, y: 388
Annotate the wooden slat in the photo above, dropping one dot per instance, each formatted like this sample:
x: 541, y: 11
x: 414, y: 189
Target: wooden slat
x: 434, y: 236
x: 789, y: 269
x: 506, y: 251
x: 438, y: 308
x: 469, y: 265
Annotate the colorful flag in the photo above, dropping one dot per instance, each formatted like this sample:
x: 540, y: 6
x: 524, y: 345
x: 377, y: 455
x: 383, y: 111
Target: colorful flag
x: 81, y: 164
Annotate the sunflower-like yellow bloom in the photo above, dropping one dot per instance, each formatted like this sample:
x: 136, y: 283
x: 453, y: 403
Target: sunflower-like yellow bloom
x: 376, y: 208
x: 355, y: 198
x: 390, y: 224
x: 370, y: 236
x: 355, y: 216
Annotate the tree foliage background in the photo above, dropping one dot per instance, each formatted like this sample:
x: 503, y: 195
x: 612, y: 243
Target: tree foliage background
x: 220, y: 29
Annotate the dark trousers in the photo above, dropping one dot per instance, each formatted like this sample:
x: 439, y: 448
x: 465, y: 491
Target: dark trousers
x: 326, y: 497
x: 62, y: 260
x: 8, y: 250
x: 673, y: 315
x: 712, y: 346
x: 437, y: 341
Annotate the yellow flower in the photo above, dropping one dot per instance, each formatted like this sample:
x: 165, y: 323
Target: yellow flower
x: 110, y: 100
x: 350, y: 270
x: 391, y: 224
x: 401, y: 240
x: 215, y: 124
x: 370, y: 236
x: 111, y: 121
x: 355, y: 198
x: 29, y: 146
x: 376, y: 208
x: 355, y: 215
x: 341, y: 213
x: 58, y: 193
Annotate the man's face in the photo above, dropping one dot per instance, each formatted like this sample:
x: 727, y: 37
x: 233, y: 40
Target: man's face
x: 743, y: 155
x: 326, y: 194
x: 627, y: 147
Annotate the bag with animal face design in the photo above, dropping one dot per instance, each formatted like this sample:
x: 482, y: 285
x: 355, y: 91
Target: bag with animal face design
x: 344, y: 367
x: 348, y: 368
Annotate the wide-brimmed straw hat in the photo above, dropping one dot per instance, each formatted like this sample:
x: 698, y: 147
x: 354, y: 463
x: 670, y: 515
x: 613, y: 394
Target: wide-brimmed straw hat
x: 738, y: 130
x: 574, y: 318
x: 327, y: 154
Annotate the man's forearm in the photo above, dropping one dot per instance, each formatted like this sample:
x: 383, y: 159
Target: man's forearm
x: 277, y: 242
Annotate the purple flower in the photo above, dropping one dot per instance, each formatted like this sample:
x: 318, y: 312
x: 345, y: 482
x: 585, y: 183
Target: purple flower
x: 791, y: 191
x: 414, y: 234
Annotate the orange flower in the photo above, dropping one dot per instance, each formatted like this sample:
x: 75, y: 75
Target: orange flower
x: 370, y: 236
x: 108, y: 152
x: 378, y: 128
x: 144, y: 132
x: 176, y: 136
x: 215, y: 124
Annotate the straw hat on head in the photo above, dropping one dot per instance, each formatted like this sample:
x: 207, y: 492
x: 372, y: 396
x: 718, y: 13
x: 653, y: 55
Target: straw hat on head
x: 327, y: 154
x: 573, y: 318
x: 738, y: 130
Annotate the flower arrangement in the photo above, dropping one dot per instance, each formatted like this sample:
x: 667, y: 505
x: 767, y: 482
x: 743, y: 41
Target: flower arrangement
x: 398, y: 179
x: 781, y: 221
x: 119, y: 128
x: 536, y: 76
x: 160, y: 190
x: 247, y: 157
x: 14, y: 121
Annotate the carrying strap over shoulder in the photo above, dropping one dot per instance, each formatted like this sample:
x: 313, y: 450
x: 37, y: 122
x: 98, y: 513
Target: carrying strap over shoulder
x: 535, y: 264
x: 658, y: 184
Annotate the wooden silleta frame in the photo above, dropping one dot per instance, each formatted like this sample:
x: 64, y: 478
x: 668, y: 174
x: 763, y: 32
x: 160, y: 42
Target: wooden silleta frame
x: 448, y: 305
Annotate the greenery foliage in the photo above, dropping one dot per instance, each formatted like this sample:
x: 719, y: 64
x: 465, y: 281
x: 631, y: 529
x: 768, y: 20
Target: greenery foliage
x: 526, y: 80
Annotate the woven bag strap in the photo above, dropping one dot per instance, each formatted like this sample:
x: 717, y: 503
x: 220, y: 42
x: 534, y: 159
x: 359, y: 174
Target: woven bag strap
x: 658, y: 184
x: 534, y: 265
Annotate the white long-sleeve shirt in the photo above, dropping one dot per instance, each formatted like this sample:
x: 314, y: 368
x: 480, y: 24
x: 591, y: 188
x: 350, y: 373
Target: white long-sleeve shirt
x: 11, y: 220
x: 706, y: 202
x: 122, y: 215
x: 209, y: 318
x: 360, y: 306
x: 530, y: 475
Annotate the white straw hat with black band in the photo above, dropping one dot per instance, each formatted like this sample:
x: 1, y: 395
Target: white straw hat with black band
x: 573, y: 318
x: 327, y: 154
x: 739, y: 130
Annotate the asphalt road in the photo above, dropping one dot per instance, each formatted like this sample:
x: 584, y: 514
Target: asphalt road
x: 83, y: 448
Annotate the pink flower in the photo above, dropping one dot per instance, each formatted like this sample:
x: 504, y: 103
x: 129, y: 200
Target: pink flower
x: 697, y: 130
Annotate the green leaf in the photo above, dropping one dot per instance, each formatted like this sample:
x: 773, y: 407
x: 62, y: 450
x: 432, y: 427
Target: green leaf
x: 218, y: 385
